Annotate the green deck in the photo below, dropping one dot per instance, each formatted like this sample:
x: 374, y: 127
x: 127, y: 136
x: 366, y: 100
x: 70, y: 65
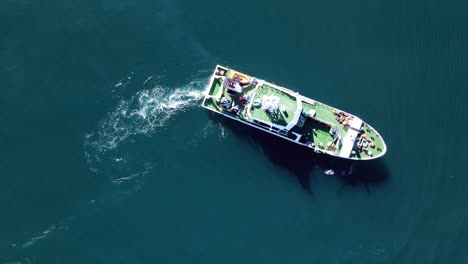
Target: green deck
x: 324, y: 113
x: 321, y: 133
x: 282, y: 116
x: 214, y: 90
x: 215, y: 87
x: 379, y: 144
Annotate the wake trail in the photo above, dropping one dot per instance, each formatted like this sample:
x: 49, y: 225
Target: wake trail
x: 144, y: 113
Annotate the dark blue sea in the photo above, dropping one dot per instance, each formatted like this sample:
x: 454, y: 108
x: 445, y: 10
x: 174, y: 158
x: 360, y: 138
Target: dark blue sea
x: 107, y: 156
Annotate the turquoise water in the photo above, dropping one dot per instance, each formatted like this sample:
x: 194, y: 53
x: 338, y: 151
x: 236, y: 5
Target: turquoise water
x: 108, y: 158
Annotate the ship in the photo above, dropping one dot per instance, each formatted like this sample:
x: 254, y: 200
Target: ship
x: 291, y: 116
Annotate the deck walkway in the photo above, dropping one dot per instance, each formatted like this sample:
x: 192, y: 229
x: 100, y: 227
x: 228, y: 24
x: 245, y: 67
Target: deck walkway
x: 350, y: 138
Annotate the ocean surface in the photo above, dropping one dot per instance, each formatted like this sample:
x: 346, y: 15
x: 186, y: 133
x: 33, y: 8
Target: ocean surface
x: 107, y: 156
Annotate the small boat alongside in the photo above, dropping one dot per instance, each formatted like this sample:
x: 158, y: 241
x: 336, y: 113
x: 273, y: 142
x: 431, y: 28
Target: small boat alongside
x: 291, y: 116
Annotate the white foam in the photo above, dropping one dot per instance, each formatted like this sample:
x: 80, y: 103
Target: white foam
x: 143, y: 113
x: 137, y: 176
x: 125, y: 81
x: 43, y: 235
